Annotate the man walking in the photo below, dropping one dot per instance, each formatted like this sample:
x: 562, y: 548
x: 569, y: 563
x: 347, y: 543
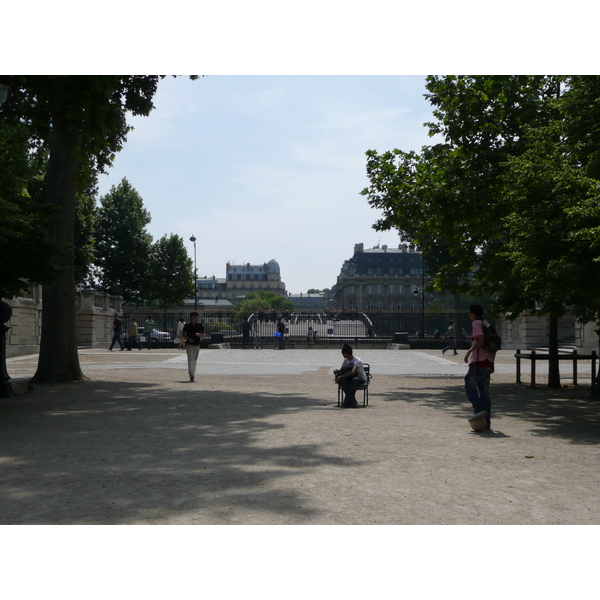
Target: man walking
x: 148, y: 329
x: 246, y: 327
x: 481, y: 366
x: 192, y: 333
x: 451, y: 337
x: 281, y: 339
x: 132, y: 335
x: 116, y: 330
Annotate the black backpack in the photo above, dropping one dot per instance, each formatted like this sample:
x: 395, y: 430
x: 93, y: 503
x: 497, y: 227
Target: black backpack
x: 493, y: 342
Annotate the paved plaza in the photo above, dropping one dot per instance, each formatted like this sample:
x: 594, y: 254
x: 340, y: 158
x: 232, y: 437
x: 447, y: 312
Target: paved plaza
x: 258, y: 439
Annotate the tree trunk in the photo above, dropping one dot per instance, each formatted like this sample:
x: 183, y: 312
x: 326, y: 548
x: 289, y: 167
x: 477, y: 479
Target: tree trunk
x: 58, y: 360
x: 553, y: 362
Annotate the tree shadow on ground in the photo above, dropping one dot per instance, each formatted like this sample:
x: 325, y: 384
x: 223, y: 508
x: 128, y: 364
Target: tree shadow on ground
x: 564, y: 413
x: 115, y: 453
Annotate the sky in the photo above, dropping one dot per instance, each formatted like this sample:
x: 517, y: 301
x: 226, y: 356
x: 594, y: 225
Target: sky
x: 269, y: 167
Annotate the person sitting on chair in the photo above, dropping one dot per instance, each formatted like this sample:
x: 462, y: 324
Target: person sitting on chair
x: 350, y: 376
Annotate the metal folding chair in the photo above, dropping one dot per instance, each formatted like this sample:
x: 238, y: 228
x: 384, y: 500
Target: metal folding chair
x: 363, y: 386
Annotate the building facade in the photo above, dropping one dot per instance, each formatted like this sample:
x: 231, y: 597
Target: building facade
x: 245, y: 278
x: 385, y: 279
x: 308, y: 302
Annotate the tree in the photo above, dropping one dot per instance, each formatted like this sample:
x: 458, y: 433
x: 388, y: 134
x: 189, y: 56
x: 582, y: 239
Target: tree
x: 27, y: 249
x: 122, y: 243
x: 497, y: 205
x: 171, y: 273
x: 262, y: 300
x: 77, y: 119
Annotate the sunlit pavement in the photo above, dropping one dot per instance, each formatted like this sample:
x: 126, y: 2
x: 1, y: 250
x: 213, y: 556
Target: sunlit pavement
x: 278, y: 362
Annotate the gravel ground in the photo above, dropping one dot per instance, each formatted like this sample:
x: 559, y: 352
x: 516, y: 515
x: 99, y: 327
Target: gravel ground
x: 146, y: 446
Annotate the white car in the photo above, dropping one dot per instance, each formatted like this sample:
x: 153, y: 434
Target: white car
x: 228, y: 333
x: 155, y: 337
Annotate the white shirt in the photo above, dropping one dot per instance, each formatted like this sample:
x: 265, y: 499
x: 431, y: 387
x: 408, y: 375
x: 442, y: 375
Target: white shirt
x: 355, y: 362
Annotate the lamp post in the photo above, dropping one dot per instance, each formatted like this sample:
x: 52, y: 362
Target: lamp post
x: 416, y: 292
x: 193, y: 239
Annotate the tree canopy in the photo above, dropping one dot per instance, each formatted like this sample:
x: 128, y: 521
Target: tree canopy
x: 28, y: 251
x: 263, y: 300
x: 78, y: 120
x: 170, y: 272
x: 507, y: 204
x: 123, y: 246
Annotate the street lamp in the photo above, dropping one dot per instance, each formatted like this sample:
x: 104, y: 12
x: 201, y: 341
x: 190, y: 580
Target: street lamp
x: 416, y: 292
x: 193, y: 239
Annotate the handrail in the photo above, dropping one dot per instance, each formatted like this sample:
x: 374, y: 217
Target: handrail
x: 534, y: 356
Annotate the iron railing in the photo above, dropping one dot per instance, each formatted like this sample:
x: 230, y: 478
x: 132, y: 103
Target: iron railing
x: 377, y: 326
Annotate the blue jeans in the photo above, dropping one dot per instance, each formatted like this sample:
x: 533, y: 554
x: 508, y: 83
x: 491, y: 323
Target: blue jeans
x: 350, y: 386
x: 477, y: 386
x: 117, y: 338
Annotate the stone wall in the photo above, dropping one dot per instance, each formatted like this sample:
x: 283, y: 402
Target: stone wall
x: 95, y: 312
x: 529, y: 332
x: 25, y: 325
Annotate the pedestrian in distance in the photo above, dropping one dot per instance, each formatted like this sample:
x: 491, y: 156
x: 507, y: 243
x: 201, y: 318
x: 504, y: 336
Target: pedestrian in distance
x: 180, y: 326
x: 450, y: 335
x: 132, y: 334
x: 148, y: 329
x: 246, y: 328
x: 481, y: 367
x: 280, y: 339
x: 193, y: 332
x: 116, y: 330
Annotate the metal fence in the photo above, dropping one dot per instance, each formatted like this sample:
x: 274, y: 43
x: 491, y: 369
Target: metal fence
x: 377, y: 326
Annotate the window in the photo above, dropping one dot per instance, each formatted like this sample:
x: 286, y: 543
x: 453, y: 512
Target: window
x: 370, y: 289
x: 413, y: 305
x: 370, y: 271
x: 391, y: 271
x: 391, y: 289
x: 415, y: 271
x: 400, y: 289
x: 379, y: 271
x: 351, y: 289
x: 378, y: 289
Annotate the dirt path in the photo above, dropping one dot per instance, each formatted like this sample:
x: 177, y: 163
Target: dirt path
x: 147, y: 446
